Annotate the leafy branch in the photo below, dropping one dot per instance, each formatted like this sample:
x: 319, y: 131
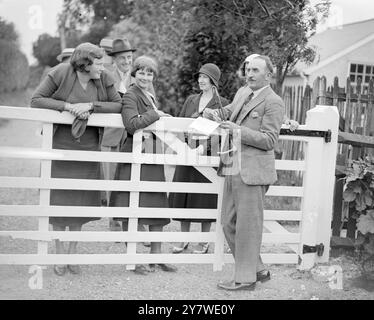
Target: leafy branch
x: 359, y: 191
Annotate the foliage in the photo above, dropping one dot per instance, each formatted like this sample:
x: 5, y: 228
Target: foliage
x: 185, y: 34
x: 157, y: 29
x: 225, y: 31
x: 282, y: 30
x: 8, y: 31
x: 45, y: 49
x: 359, y: 191
x: 14, y: 68
x: 93, y: 19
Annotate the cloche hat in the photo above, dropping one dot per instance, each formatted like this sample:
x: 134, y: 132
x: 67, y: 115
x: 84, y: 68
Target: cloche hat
x: 212, y: 71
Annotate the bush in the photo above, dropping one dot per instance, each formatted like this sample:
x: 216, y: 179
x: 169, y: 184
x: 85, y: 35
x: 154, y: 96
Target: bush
x: 14, y: 68
x: 46, y: 49
x: 36, y: 73
x: 359, y: 192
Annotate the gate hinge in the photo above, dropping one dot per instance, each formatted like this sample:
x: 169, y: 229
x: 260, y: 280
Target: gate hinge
x: 319, y: 248
x: 326, y: 135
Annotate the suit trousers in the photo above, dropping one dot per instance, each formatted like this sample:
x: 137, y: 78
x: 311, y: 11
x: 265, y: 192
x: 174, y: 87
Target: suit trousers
x: 242, y: 219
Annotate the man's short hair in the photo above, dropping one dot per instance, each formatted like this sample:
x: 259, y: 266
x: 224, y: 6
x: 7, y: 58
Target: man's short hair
x: 269, y: 64
x: 84, y: 56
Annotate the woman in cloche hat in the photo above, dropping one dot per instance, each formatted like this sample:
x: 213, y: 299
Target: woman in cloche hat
x: 208, y: 77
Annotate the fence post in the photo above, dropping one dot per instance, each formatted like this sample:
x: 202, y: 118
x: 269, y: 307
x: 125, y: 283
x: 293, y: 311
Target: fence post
x: 311, y: 198
x: 45, y: 173
x: 219, y: 253
x: 134, y: 195
x: 328, y: 120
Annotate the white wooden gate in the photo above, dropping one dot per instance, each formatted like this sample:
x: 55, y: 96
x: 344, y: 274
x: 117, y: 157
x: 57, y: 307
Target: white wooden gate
x: 314, y: 216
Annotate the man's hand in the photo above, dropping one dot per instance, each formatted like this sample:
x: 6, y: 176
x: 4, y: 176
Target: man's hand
x: 211, y: 114
x: 228, y: 125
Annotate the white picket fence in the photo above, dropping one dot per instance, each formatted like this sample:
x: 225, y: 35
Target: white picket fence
x: 316, y: 192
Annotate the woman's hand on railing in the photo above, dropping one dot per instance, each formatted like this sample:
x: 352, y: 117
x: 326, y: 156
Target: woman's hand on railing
x: 84, y: 116
x: 78, y: 109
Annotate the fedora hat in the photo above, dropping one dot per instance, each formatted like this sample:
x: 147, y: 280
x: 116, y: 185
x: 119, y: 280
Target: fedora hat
x: 66, y: 53
x: 106, y: 44
x: 120, y: 45
x: 212, y: 71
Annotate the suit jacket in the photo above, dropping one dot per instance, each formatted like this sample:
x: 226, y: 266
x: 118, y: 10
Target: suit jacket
x: 260, y: 122
x: 114, y: 136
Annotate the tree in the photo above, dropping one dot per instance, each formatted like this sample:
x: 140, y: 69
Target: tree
x: 14, y: 68
x: 157, y: 29
x: 283, y: 30
x: 46, y: 49
x: 8, y: 31
x: 93, y: 19
x: 225, y: 31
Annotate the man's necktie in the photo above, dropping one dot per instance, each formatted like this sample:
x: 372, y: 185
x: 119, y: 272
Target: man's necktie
x: 246, y: 101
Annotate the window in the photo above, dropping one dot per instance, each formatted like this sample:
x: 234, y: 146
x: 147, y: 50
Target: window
x: 361, y: 71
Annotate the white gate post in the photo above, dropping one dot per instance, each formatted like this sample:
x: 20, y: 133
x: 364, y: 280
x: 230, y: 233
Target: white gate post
x: 318, y: 185
x: 219, y: 245
x: 329, y: 120
x: 310, y: 202
x: 45, y: 173
x: 134, y: 195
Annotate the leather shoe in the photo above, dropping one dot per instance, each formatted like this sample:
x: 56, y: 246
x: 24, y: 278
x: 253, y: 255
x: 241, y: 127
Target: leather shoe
x: 180, y: 249
x: 74, y: 269
x: 140, y: 269
x: 167, y: 267
x: 59, y: 270
x: 263, y: 276
x: 204, y: 249
x: 236, y: 286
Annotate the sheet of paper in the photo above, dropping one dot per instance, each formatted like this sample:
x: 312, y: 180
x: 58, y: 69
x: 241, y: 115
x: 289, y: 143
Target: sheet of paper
x: 203, y: 126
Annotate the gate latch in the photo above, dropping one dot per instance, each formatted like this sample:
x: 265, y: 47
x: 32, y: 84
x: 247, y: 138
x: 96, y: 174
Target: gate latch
x: 319, y: 248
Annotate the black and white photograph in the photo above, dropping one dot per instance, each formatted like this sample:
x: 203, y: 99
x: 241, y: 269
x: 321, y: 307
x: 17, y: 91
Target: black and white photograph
x: 188, y: 155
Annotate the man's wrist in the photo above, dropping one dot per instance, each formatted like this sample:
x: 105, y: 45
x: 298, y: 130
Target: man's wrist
x: 67, y: 106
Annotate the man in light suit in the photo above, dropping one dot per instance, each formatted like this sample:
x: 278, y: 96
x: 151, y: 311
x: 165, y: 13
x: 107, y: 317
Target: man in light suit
x: 255, y: 118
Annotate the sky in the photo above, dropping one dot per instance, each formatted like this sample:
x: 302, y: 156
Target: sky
x: 34, y: 17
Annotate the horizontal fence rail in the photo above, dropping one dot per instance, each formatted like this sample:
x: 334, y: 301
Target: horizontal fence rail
x: 312, y: 215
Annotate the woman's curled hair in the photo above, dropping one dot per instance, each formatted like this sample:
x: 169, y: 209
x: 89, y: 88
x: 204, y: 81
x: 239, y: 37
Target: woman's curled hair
x: 84, y: 55
x: 145, y: 63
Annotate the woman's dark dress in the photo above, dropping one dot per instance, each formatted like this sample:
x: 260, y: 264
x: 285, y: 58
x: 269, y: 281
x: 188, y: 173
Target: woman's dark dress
x: 138, y: 113
x: 89, y: 141
x: 190, y: 174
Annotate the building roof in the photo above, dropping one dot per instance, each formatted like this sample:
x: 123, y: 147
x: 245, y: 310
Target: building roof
x: 336, y: 42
